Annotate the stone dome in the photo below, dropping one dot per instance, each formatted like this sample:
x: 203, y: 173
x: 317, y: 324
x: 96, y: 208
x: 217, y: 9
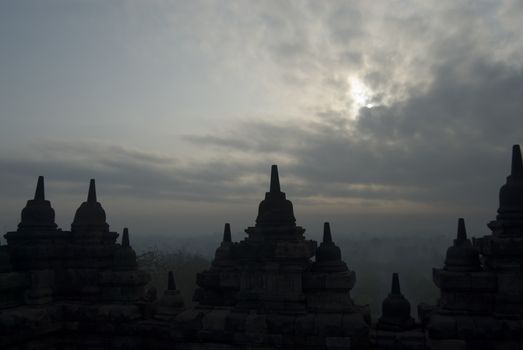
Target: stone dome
x: 223, y: 253
x: 395, y: 309
x: 327, y: 251
x: 462, y: 256
x: 38, y: 212
x: 90, y: 214
x: 275, y: 209
x: 125, y: 256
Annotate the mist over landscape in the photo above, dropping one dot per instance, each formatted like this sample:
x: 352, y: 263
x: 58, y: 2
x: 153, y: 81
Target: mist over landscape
x: 374, y: 258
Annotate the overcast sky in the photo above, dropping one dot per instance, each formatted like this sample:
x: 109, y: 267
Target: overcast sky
x: 383, y: 116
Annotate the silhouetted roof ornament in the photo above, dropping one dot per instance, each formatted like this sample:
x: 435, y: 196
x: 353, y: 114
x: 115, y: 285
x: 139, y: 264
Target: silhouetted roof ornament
x: 38, y: 212
x: 328, y: 254
x: 327, y: 251
x: 40, y: 190
x: 171, y: 303
x: 275, y: 180
x: 511, y: 194
x: 222, y: 256
x: 125, y: 256
x: 395, y: 287
x: 275, y: 209
x: 462, y: 256
x: 395, y: 309
x: 171, y: 284
x: 517, y: 162
x: 227, y: 233
x: 125, y: 237
x: 90, y: 215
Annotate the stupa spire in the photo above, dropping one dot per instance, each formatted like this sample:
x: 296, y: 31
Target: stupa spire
x: 40, y: 190
x: 327, y: 236
x: 395, y: 289
x: 90, y: 215
x: 171, y: 285
x: 275, y: 180
x: 462, y: 231
x: 511, y: 193
x: 462, y: 256
x: 328, y: 251
x: 91, y: 197
x: 517, y: 162
x: 125, y: 237
x: 275, y: 209
x: 395, y: 309
x: 227, y: 233
x: 38, y: 211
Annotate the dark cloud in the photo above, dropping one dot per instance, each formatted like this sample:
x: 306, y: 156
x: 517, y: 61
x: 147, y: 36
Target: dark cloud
x: 123, y: 172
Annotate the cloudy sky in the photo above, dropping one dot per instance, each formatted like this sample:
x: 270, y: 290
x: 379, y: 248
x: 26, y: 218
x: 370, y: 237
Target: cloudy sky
x: 384, y: 116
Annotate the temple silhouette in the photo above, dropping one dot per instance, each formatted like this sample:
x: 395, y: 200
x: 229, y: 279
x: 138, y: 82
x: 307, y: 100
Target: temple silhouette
x: 274, y: 289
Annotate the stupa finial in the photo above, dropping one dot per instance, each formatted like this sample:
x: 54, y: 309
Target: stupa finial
x: 171, y: 285
x: 40, y: 190
x: 517, y: 162
x: 90, y: 214
x: 227, y: 233
x: 91, y: 197
x: 275, y: 179
x: 38, y: 211
x: 395, y: 310
x: 125, y: 237
x: 327, y: 236
x: 395, y: 284
x: 462, y: 231
x: 275, y: 210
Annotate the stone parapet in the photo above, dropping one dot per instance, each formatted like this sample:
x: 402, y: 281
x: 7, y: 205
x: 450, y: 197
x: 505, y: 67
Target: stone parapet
x: 480, y: 281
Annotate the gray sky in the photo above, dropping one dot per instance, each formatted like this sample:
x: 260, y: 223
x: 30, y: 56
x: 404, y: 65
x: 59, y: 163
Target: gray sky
x: 384, y: 116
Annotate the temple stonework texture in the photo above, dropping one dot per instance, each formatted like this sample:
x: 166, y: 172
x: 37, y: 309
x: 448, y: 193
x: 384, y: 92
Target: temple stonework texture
x: 272, y: 289
x: 266, y: 288
x: 481, y: 283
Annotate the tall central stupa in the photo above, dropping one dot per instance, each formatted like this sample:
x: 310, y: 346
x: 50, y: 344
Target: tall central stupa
x: 267, y: 287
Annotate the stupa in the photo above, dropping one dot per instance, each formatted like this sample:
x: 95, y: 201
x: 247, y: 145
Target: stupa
x: 66, y: 289
x: 80, y: 289
x: 502, y: 250
x: 219, y: 284
x: 38, y: 248
x: 395, y: 310
x: 396, y: 329
x: 171, y: 303
x: 266, y: 290
x: 329, y: 281
x: 481, y: 303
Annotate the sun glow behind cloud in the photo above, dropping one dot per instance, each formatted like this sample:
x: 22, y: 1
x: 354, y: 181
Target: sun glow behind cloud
x: 360, y: 95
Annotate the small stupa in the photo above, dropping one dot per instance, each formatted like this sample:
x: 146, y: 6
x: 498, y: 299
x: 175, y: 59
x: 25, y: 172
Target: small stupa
x: 395, y: 310
x: 219, y: 284
x: 90, y: 216
x: 171, y: 303
x: 329, y: 281
x: 38, y: 213
x: 465, y: 287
